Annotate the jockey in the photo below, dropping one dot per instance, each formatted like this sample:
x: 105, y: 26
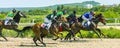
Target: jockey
x: 87, y: 17
x: 72, y: 18
x: 10, y: 16
x: 48, y: 20
x: 60, y: 13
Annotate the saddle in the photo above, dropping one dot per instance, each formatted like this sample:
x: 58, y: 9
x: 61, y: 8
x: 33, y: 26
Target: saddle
x: 44, y: 25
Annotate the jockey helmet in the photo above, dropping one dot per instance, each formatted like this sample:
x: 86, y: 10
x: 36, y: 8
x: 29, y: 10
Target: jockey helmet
x: 14, y: 10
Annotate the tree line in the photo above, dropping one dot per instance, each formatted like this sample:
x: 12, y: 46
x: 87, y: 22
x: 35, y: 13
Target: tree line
x: 111, y: 11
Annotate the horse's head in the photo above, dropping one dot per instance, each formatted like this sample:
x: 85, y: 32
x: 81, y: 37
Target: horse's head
x: 64, y: 19
x: 21, y: 14
x: 101, y: 18
x: 18, y: 16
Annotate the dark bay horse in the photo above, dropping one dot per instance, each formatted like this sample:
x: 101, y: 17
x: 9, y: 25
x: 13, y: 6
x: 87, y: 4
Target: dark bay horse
x: 93, y: 26
x: 13, y: 25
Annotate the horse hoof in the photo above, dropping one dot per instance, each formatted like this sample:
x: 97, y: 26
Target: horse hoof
x: 37, y: 45
x: 44, y: 45
x: 6, y: 40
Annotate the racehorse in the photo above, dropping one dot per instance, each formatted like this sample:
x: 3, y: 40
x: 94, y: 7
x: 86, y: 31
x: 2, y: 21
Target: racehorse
x: 41, y: 32
x: 13, y: 22
x: 76, y: 27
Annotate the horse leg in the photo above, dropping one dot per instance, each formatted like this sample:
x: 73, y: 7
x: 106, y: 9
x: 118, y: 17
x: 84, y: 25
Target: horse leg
x: 17, y: 35
x: 97, y: 33
x: 42, y: 37
x: 56, y: 38
x: 55, y: 34
x: 73, y: 34
x: 67, y: 36
x: 35, y: 39
x: 100, y: 32
x: 80, y: 34
x: 3, y: 36
x: 61, y: 36
x: 21, y: 34
x: 41, y: 40
x: 38, y: 37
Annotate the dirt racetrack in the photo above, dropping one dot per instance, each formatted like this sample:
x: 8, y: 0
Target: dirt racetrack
x: 81, y: 43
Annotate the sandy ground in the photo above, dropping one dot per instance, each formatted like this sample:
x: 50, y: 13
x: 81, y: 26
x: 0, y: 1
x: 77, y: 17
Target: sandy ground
x: 80, y: 43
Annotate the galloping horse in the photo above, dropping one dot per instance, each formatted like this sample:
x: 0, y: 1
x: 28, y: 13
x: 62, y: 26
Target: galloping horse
x: 13, y: 25
x: 93, y: 26
x: 41, y: 32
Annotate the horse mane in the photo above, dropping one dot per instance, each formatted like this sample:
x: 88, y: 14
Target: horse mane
x: 80, y: 19
x: 17, y: 17
x: 98, y: 15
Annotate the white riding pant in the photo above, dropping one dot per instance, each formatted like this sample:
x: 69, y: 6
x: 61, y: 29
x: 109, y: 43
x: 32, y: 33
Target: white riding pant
x: 48, y: 22
x: 85, y: 20
x: 7, y: 19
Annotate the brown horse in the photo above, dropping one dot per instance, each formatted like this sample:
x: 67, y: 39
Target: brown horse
x: 13, y: 25
x: 76, y: 27
x: 41, y: 32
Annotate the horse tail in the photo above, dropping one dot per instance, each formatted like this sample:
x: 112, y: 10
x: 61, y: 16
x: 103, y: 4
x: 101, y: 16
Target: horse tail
x: 26, y: 28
